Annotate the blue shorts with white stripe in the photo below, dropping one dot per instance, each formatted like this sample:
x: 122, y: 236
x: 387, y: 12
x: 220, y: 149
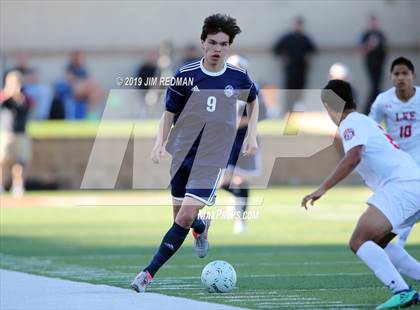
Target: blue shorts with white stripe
x: 198, y: 182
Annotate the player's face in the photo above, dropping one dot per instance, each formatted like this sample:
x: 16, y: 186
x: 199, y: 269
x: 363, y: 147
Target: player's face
x: 216, y: 47
x: 402, y: 77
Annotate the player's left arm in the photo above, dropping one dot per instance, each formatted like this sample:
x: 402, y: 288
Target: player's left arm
x: 341, y: 171
x: 250, y: 146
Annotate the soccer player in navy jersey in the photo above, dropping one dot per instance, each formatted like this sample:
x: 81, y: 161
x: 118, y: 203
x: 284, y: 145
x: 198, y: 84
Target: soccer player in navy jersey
x: 241, y: 169
x: 198, y: 129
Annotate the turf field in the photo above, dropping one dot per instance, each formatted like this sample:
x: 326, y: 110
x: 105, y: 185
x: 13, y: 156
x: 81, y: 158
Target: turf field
x: 311, y: 123
x: 290, y: 258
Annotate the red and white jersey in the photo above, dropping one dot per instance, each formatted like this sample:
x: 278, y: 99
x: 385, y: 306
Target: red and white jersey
x: 402, y: 119
x: 382, y: 160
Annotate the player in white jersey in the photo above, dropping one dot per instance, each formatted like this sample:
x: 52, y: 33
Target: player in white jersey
x: 394, y: 177
x: 399, y: 108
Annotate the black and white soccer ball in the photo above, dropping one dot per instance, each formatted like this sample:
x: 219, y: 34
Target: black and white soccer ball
x: 218, y: 277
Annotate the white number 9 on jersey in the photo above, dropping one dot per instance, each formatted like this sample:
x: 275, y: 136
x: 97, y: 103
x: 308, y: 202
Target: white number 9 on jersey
x: 211, y: 104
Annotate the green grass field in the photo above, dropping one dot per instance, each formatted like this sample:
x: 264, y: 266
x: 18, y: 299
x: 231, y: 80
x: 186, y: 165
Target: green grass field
x: 290, y: 258
x: 142, y: 129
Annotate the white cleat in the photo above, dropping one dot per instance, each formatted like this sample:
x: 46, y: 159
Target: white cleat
x: 201, y: 243
x: 239, y: 227
x: 141, y: 282
x: 18, y: 191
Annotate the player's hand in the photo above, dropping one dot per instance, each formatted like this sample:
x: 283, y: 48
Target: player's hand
x: 250, y: 146
x: 157, y: 153
x: 312, y: 197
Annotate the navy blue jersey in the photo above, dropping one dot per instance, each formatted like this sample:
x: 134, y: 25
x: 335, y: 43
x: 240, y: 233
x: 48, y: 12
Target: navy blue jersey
x: 206, y: 112
x: 242, y: 130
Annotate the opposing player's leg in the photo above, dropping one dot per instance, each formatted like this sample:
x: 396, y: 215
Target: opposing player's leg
x: 372, y: 228
x: 404, y: 262
x: 403, y: 236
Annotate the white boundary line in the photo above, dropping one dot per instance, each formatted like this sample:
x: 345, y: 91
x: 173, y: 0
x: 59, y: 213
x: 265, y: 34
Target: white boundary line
x: 21, y: 291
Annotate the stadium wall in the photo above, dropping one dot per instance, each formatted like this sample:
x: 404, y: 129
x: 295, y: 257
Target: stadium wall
x: 63, y: 162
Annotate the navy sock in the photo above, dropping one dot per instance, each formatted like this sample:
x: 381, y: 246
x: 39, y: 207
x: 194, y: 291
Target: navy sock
x: 170, y: 244
x: 226, y: 187
x: 198, y: 225
x: 243, y: 194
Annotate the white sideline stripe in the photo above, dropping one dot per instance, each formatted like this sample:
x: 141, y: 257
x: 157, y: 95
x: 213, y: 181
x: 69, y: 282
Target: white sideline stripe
x: 21, y: 291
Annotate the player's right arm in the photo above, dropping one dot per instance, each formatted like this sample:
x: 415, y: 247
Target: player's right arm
x: 174, y: 102
x: 165, y: 126
x: 341, y: 171
x: 354, y: 137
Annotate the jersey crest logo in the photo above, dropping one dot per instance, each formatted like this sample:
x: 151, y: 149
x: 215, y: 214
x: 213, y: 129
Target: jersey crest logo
x: 348, y: 134
x: 229, y: 91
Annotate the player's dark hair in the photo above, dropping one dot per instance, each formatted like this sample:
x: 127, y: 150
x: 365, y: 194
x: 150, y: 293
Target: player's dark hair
x: 402, y: 61
x: 343, y: 90
x: 220, y: 23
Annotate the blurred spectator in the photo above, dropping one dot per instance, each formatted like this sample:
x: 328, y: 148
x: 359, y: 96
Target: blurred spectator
x: 165, y: 59
x: 295, y: 49
x: 148, y: 69
x: 154, y: 96
x: 191, y: 53
x: 374, y: 49
x: 15, y: 146
x: 339, y: 71
x: 40, y: 94
x: 21, y: 66
x: 77, y: 93
x: 62, y: 98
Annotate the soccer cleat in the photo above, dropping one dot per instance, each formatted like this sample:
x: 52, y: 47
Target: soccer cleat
x: 239, y: 227
x: 400, y: 300
x: 141, y: 282
x: 18, y: 191
x: 201, y: 243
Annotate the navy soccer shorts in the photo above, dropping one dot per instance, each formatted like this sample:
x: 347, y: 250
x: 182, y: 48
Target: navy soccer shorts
x: 198, y: 182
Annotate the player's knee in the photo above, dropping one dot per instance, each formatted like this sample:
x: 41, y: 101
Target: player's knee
x: 356, y: 241
x: 185, y: 219
x: 354, y: 245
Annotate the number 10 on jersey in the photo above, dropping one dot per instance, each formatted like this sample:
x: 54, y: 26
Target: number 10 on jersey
x: 405, y: 131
